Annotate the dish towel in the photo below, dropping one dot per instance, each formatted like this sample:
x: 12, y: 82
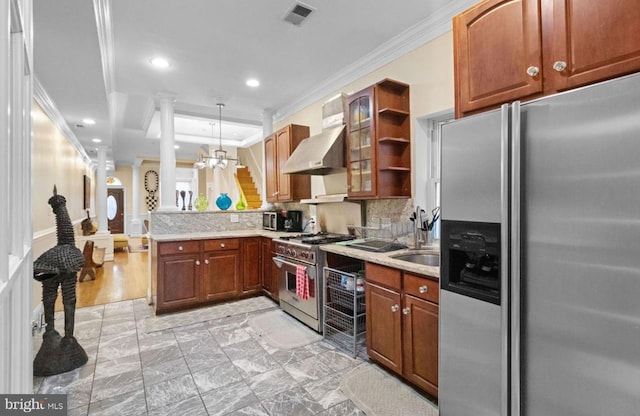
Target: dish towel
x: 302, y: 282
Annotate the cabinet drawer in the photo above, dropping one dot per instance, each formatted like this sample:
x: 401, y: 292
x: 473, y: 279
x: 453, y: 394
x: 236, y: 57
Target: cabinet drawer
x: 421, y: 287
x: 178, y: 247
x: 384, y: 276
x: 222, y: 244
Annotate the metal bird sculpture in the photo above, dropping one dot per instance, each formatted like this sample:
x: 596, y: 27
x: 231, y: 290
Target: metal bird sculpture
x: 57, y: 267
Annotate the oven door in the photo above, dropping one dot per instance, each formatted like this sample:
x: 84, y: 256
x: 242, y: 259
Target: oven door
x: 287, y: 282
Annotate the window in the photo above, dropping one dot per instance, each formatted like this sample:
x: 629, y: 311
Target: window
x: 433, y: 126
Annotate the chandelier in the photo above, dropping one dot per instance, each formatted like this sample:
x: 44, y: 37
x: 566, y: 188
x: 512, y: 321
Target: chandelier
x: 219, y: 158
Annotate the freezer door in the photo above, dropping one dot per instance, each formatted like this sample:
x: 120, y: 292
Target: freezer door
x: 470, y: 178
x: 580, y: 252
x: 469, y: 356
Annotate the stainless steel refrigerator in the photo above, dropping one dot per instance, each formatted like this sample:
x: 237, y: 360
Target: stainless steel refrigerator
x: 540, y: 275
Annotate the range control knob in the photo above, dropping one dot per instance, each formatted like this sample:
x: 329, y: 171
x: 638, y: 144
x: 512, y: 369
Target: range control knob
x: 288, y: 251
x: 293, y: 253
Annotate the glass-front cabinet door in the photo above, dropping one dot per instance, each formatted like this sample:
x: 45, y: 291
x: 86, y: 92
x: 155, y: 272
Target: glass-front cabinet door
x: 360, y: 141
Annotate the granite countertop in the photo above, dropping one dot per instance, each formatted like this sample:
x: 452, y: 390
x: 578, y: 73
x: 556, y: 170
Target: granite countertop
x: 217, y: 234
x: 385, y: 259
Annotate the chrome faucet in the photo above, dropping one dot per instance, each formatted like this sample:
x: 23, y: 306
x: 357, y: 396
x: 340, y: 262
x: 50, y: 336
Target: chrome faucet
x: 418, y: 229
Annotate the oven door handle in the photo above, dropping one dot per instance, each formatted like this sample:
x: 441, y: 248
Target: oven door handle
x: 279, y: 262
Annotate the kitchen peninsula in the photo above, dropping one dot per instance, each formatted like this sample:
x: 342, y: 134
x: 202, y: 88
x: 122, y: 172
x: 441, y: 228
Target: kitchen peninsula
x: 202, y: 258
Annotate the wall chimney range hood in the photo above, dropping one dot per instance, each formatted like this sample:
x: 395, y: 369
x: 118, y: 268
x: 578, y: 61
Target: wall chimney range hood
x: 321, y: 154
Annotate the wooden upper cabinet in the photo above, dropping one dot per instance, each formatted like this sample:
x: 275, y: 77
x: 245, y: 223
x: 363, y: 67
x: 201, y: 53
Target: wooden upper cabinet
x: 497, y: 53
x: 379, y: 142
x: 271, y: 171
x: 506, y: 50
x: 278, y: 147
x: 595, y: 39
x: 283, y: 151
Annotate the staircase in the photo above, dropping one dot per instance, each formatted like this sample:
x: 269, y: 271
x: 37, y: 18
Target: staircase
x: 251, y: 195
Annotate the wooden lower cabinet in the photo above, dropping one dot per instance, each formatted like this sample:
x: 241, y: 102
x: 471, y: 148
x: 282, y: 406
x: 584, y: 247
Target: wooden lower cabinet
x: 384, y: 334
x: 221, y: 275
x: 269, y: 269
x: 190, y: 273
x: 402, y: 324
x: 252, y: 264
x: 181, y: 286
x: 420, y: 330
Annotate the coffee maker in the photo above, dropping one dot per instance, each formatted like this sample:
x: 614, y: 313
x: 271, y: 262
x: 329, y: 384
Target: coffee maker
x: 292, y: 220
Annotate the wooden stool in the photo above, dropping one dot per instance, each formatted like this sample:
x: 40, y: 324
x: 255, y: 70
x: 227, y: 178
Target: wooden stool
x: 93, y: 257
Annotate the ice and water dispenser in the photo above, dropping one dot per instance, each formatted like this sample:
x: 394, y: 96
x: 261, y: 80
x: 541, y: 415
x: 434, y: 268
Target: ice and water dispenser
x: 471, y: 259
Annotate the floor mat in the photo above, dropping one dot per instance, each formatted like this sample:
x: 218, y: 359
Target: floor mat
x: 283, y: 331
x: 380, y: 394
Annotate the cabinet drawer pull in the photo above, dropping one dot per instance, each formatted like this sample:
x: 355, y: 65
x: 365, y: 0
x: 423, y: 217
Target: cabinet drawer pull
x: 197, y: 262
x: 206, y: 262
x: 532, y: 71
x: 180, y: 248
x: 423, y: 289
x: 395, y: 308
x: 406, y: 311
x: 559, y: 66
x: 221, y: 245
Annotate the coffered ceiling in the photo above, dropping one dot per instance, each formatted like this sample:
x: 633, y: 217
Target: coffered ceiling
x: 92, y: 60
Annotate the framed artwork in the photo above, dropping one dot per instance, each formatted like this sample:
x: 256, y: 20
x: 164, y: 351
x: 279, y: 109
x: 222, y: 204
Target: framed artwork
x: 87, y: 192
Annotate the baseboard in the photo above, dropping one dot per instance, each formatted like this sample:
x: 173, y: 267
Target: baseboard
x: 37, y: 316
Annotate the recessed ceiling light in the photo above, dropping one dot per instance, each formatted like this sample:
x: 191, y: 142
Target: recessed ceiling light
x: 96, y: 140
x: 160, y: 62
x: 175, y: 146
x: 89, y: 121
x: 252, y: 82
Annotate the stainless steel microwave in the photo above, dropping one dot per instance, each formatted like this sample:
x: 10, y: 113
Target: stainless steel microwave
x: 282, y: 220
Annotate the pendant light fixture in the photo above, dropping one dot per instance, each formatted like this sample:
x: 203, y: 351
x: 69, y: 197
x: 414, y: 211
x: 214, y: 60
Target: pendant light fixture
x: 219, y: 158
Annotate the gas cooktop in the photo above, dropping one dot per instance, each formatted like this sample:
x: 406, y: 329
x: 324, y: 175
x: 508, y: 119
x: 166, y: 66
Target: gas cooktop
x: 318, y: 238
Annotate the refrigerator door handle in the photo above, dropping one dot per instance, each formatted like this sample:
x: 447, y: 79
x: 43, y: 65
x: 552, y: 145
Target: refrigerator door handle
x: 514, y: 256
x: 504, y: 262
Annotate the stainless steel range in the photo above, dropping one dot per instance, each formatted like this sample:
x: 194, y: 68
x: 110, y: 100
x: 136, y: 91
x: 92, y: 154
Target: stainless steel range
x: 303, y: 251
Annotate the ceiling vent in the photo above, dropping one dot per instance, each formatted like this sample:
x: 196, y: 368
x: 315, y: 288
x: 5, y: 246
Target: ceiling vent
x: 298, y: 13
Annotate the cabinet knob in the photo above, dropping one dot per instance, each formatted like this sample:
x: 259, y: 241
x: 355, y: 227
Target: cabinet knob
x: 206, y: 261
x: 222, y: 245
x: 532, y: 71
x: 559, y: 66
x: 395, y: 308
x: 180, y: 248
x: 406, y: 311
x: 197, y: 262
x: 423, y: 289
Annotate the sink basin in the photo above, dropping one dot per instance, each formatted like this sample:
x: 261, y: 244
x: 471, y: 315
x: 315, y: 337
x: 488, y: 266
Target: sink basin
x: 426, y: 259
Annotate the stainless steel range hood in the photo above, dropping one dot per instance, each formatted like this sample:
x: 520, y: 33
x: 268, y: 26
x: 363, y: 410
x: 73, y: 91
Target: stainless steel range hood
x: 322, y: 154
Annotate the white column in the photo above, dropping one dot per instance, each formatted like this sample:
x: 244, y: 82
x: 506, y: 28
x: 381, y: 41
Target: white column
x: 101, y: 191
x: 267, y: 129
x: 135, y: 189
x: 167, y: 156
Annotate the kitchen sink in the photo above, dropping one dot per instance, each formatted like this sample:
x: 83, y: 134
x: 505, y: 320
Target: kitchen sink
x: 426, y: 259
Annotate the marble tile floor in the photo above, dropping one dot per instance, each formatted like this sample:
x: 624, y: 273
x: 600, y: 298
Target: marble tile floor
x: 218, y: 366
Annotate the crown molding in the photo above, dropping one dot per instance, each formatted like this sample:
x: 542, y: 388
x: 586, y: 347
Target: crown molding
x: 102, y: 10
x: 51, y: 110
x: 437, y: 24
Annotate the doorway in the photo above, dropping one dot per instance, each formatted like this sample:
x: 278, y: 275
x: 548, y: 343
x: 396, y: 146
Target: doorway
x: 115, y: 210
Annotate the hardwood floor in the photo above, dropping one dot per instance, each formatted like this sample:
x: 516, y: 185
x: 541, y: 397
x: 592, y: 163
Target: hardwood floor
x: 124, y: 278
